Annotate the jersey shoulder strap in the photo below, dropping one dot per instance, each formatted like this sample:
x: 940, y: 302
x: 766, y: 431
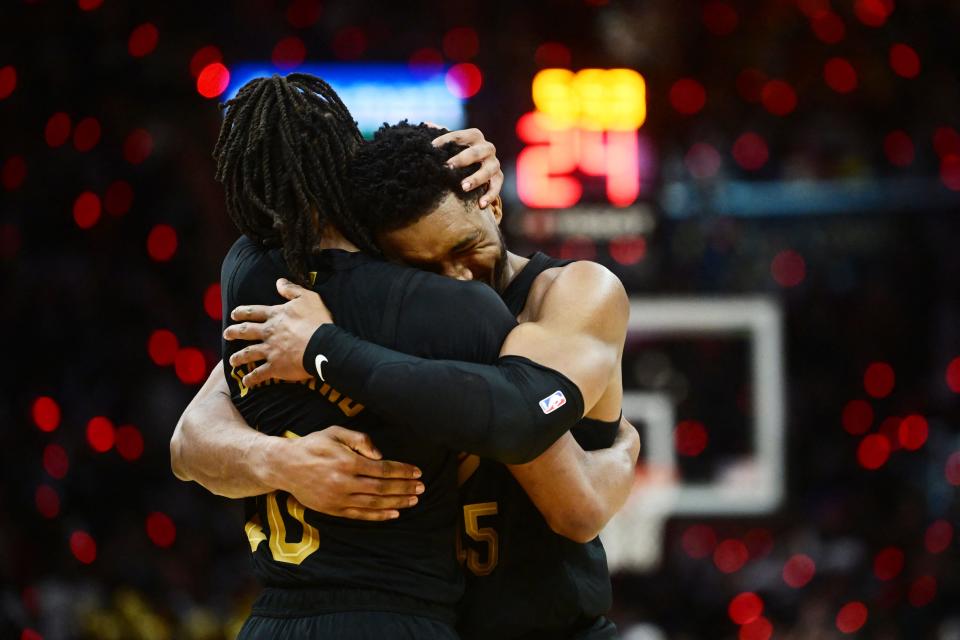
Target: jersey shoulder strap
x: 515, y: 295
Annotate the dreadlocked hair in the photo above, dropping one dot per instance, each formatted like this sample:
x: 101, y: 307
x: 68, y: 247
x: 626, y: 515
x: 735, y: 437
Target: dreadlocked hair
x: 282, y: 157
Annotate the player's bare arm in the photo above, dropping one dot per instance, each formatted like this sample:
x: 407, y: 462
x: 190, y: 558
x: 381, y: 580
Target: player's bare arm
x: 578, y: 491
x: 334, y: 471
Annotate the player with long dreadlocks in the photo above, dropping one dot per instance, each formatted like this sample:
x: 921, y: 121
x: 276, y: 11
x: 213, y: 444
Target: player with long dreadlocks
x: 327, y: 576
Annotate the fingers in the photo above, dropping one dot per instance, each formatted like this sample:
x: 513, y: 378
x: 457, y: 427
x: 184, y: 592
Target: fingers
x: 373, y: 515
x: 257, y: 376
x: 363, y: 501
x: 493, y: 189
x: 386, y: 469
x: 289, y: 290
x: 253, y: 353
x: 359, y: 442
x: 473, y: 155
x: 252, y: 331
x: 251, y: 313
x: 381, y: 487
x: 463, y: 136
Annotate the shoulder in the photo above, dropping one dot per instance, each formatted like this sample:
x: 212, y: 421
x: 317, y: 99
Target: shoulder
x: 458, y: 320
x: 249, y: 273
x: 587, y: 287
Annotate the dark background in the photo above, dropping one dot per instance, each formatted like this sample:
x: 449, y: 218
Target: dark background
x: 110, y: 545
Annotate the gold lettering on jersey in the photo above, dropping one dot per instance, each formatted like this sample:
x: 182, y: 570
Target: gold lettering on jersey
x: 346, y: 404
x: 254, y: 531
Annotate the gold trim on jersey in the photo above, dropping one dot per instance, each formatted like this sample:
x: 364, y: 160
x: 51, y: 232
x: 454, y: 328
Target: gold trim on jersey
x: 347, y: 405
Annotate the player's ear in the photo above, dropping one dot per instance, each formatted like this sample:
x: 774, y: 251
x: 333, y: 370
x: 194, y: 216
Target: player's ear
x: 496, y: 208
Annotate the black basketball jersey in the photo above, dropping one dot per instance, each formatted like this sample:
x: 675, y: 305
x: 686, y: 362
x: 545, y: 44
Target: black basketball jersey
x: 412, y: 558
x: 524, y: 580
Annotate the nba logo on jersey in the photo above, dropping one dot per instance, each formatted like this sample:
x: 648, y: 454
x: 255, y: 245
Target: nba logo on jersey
x: 553, y: 402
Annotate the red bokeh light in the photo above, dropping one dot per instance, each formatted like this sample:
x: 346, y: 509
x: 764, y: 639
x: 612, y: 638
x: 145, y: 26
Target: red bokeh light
x: 203, y: 57
x: 778, y: 97
x: 952, y: 470
x: 349, y: 43
x: 720, y: 18
x: 878, y: 379
x: 426, y: 62
x: 86, y: 209
x: 129, y: 443
x: 899, y: 149
x: 162, y: 243
x: 939, y: 536
x: 922, y: 591
x: 912, y: 433
x: 86, y: 134
x: 138, y: 146
x: 946, y: 141
x: 160, y: 529
x: 83, y: 547
x: 890, y: 429
x: 119, y: 198
x: 799, y: 570
x: 289, y: 53
x: 759, y: 542
x: 851, y: 617
x: 143, y: 40
x: 628, y: 250
x: 213, y: 80
x: 162, y: 347
x: 788, y: 268
x: 89, y: 5
x: 699, y: 541
x: 190, y: 365
x: 55, y: 461
x: 577, y: 248
x: 904, y: 61
x: 745, y: 607
x: 811, y: 8
x: 101, y: 435
x: 873, y: 13
x: 950, y: 172
x: 553, y: 54
x: 759, y: 629
x: 828, y: 27
x: 703, y: 161
x: 464, y: 80
x: 730, y: 556
x: 47, y: 501
x: 750, y: 151
x: 30, y: 634
x: 750, y: 84
x: 46, y: 413
x: 303, y: 13
x: 57, y: 131
x: 8, y: 81
x: 857, y: 417
x: 840, y: 75
x: 874, y: 451
x: 212, y: 303
x: 953, y: 375
x: 690, y: 438
x: 14, y: 172
x: 888, y: 563
x: 461, y: 44
x: 688, y: 96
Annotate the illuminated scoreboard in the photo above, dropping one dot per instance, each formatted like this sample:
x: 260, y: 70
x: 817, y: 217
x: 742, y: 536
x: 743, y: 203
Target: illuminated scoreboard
x: 585, y: 126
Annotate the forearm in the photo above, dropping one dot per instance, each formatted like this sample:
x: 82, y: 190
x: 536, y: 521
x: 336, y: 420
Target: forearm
x: 578, y: 491
x: 491, y: 410
x: 213, y: 445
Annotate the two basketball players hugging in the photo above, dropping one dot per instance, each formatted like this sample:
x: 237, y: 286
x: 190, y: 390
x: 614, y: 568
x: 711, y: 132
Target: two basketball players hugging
x: 463, y: 409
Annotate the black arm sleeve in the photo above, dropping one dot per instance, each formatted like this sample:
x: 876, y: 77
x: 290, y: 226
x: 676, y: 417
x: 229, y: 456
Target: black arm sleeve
x: 511, y: 411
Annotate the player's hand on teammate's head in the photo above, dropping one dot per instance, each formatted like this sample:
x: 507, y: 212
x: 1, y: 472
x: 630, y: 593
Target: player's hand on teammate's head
x: 481, y: 150
x: 339, y: 472
x: 280, y: 331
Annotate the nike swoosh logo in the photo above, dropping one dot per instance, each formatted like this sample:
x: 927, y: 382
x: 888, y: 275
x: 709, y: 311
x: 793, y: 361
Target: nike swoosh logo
x: 319, y: 363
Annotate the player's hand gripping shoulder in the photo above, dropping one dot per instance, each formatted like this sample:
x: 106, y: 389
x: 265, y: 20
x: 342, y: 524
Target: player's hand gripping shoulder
x: 283, y: 332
